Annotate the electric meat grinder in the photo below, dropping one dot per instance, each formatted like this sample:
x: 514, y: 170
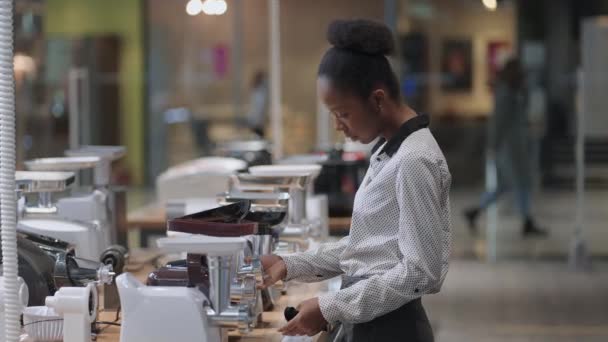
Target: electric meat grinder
x: 269, y: 210
x: 294, y: 233
x: 192, y: 186
x: 312, y: 207
x: 242, y: 218
x: 47, y: 264
x: 81, y: 221
x: 116, y: 204
x: 185, y: 313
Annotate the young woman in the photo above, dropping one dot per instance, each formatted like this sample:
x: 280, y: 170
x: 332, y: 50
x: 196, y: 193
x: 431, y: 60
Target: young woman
x: 399, y: 242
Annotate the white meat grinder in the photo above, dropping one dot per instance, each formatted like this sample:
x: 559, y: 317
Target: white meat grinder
x: 160, y: 313
x: 96, y: 208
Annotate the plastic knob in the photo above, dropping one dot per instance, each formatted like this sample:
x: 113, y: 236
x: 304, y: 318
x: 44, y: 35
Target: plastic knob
x: 114, y: 255
x: 290, y: 312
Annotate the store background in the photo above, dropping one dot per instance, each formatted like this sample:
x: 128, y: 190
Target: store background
x: 158, y: 77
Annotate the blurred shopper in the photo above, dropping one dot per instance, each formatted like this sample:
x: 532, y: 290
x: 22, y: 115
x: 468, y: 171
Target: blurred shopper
x: 258, y: 104
x: 398, y: 247
x: 509, y: 143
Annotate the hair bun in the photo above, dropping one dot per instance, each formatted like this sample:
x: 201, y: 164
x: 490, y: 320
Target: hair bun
x: 359, y: 35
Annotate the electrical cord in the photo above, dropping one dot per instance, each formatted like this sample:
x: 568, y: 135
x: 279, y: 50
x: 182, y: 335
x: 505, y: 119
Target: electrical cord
x: 44, y: 320
x: 108, y: 323
x: 118, y: 314
x: 114, y: 323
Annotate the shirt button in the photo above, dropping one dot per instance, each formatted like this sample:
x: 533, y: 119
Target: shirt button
x: 416, y: 290
x: 378, y: 159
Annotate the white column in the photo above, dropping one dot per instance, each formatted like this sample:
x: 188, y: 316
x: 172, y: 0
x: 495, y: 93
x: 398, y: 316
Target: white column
x: 578, y: 257
x: 324, y: 125
x: 237, y: 57
x: 275, y: 79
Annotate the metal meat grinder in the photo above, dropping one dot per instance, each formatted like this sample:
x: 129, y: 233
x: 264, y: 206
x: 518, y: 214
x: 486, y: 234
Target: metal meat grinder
x: 186, y: 313
x: 294, y: 233
x: 243, y: 217
x: 48, y: 263
x: 269, y: 210
x: 102, y: 205
x: 79, y: 221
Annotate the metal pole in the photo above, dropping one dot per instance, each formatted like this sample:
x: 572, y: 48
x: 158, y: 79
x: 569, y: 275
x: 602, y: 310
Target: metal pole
x: 85, y: 126
x: 73, y: 107
x: 324, y: 136
x: 492, y: 220
x: 275, y: 78
x: 391, y: 15
x: 579, y: 254
x: 237, y: 57
x: 79, y: 107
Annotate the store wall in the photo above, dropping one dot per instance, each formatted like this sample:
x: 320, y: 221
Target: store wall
x: 471, y: 21
x: 78, y: 18
x: 303, y: 27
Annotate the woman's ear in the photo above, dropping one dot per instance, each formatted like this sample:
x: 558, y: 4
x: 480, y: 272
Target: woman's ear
x: 378, y: 98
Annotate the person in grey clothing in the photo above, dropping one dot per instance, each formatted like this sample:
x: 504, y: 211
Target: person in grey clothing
x: 509, y: 141
x: 258, y: 104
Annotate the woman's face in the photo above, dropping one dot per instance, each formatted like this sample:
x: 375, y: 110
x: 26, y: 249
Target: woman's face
x: 352, y: 116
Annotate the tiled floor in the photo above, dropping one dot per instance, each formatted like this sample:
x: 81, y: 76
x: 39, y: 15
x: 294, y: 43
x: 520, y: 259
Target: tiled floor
x: 553, y: 210
x: 530, y: 294
x: 520, y: 301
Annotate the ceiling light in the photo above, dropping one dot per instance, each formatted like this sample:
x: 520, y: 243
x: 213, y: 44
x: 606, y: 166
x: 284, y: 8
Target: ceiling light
x: 214, y: 7
x: 194, y: 7
x: 490, y: 4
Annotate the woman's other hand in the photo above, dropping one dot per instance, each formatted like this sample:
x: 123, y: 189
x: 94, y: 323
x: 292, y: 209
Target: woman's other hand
x: 274, y: 270
x: 309, y: 320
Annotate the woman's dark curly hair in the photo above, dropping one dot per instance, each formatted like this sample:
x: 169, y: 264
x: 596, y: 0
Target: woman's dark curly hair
x: 356, y: 63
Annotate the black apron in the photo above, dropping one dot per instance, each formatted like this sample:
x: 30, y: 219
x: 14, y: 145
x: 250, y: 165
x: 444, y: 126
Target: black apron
x: 409, y: 323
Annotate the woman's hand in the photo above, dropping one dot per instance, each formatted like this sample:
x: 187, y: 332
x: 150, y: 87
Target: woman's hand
x: 309, y: 321
x: 274, y: 270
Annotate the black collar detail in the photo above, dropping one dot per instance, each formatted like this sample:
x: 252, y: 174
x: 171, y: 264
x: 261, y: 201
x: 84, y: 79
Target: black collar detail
x: 409, y: 127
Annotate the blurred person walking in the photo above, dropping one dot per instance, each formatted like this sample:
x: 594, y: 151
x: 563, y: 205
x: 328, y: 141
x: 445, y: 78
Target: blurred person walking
x: 258, y: 104
x: 509, y: 142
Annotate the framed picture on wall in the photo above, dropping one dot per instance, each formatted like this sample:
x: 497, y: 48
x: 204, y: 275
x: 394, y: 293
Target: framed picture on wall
x: 414, y: 69
x: 497, y: 53
x: 456, y: 65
